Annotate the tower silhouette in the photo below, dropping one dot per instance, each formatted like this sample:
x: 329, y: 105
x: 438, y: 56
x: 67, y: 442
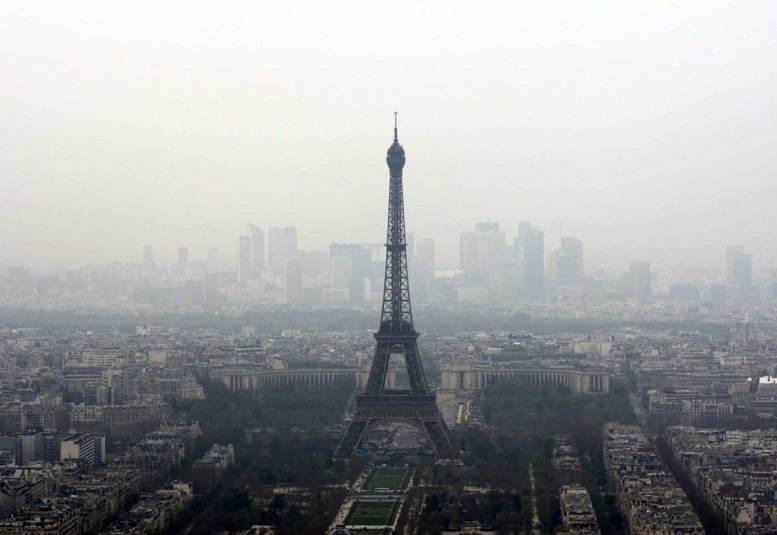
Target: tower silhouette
x: 396, y: 335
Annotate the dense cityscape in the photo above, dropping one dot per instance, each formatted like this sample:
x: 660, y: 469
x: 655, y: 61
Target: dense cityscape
x: 575, y: 331
x: 119, y: 429
x: 203, y: 398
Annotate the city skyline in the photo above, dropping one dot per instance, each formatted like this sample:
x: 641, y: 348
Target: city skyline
x: 645, y: 131
x: 237, y: 256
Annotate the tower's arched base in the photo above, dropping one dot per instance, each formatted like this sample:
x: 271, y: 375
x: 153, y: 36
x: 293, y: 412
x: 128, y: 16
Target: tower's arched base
x: 419, y: 411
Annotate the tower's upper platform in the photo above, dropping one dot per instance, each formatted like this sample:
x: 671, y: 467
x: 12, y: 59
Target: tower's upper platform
x: 395, y: 157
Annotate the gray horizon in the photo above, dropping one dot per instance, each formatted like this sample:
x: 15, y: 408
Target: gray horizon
x: 646, y: 128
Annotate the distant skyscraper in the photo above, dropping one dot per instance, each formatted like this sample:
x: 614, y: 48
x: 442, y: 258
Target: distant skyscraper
x: 569, y: 262
x: 315, y: 265
x: 491, y: 248
x: 183, y: 260
x: 340, y: 272
x: 422, y: 266
x: 482, y: 254
x: 739, y: 272
x: 281, y: 244
x: 732, y: 253
x: 360, y: 267
x: 468, y: 253
x: 739, y: 266
x: 243, y: 260
x: 257, y: 250
x: 250, y: 255
x: 639, y: 280
x: 294, y: 293
x: 532, y: 258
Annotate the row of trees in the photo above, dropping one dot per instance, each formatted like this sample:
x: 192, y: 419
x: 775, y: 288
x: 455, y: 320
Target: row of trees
x: 432, y: 319
x: 287, y: 449
x: 522, y: 423
x: 226, y: 413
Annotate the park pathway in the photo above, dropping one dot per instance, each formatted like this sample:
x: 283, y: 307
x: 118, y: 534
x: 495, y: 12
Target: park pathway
x: 535, y: 518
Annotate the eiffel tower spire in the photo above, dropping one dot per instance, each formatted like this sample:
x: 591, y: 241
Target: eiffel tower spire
x: 396, y: 335
x: 396, y: 316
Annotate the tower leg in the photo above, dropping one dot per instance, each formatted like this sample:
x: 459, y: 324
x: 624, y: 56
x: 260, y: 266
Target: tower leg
x: 440, y: 438
x: 350, y: 440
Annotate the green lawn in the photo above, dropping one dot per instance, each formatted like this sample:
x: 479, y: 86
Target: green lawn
x: 395, y: 479
x: 372, y: 513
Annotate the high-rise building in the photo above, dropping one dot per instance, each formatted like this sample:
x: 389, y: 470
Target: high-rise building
x: 340, y: 272
x: 468, y: 254
x: 257, y: 250
x: 360, y: 256
x: 639, y: 280
x: 294, y: 293
x: 422, y: 266
x: 732, y: 253
x: 281, y: 244
x: 532, y: 260
x: 250, y: 255
x: 739, y: 266
x: 739, y: 272
x: 569, y: 262
x: 243, y: 260
x: 482, y: 254
x: 491, y: 247
x: 315, y: 266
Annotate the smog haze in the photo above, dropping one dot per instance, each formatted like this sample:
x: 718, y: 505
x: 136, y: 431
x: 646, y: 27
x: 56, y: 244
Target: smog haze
x: 646, y: 128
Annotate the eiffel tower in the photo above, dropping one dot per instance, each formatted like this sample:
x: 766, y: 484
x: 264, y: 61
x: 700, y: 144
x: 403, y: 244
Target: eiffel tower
x: 417, y: 405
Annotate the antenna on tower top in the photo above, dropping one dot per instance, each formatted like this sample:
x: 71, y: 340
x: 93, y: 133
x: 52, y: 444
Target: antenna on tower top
x: 395, y: 125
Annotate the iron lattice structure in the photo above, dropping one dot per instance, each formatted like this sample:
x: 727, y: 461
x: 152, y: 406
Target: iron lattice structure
x: 396, y: 335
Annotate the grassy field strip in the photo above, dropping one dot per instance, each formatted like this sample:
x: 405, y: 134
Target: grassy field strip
x: 393, y: 479
x: 372, y: 513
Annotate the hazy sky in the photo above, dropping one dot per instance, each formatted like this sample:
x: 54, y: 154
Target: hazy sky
x: 650, y: 127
